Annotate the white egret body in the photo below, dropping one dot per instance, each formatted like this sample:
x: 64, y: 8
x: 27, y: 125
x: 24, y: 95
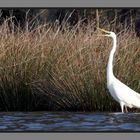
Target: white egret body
x: 119, y: 91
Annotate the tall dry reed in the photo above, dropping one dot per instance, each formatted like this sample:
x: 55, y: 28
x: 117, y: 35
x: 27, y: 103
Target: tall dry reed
x: 51, y: 69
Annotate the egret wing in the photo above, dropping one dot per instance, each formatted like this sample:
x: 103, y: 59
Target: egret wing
x: 126, y: 94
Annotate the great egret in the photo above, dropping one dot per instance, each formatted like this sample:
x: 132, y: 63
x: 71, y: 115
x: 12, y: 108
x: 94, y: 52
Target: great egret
x: 119, y: 91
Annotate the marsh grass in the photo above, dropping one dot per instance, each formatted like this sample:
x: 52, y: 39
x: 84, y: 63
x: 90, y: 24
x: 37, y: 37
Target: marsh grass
x: 50, y: 69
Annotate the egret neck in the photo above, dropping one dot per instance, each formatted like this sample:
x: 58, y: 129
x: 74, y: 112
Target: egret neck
x: 110, y: 74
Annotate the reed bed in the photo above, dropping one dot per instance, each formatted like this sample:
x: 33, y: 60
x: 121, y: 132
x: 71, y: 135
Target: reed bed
x: 55, y: 70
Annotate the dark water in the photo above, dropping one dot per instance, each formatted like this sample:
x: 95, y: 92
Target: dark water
x: 67, y: 121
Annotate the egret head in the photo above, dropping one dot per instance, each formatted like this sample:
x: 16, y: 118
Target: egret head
x: 107, y: 33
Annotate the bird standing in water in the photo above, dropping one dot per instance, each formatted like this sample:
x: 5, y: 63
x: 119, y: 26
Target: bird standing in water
x: 124, y: 95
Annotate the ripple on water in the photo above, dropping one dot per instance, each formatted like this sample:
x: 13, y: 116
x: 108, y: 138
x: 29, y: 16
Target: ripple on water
x: 68, y: 121
x: 34, y: 126
x: 3, y: 127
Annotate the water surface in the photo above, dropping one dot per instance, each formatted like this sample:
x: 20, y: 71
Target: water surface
x: 69, y: 121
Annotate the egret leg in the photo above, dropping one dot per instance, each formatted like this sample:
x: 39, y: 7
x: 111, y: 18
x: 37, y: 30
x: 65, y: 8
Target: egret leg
x: 126, y: 109
x: 122, y: 106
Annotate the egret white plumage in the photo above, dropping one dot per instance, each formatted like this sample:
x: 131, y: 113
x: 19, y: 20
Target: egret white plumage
x: 118, y: 90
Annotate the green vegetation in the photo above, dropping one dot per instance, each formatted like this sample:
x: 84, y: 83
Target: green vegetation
x: 63, y: 70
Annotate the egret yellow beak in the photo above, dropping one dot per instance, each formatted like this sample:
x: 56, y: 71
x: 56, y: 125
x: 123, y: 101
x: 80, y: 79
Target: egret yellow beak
x: 107, y: 32
x: 103, y: 30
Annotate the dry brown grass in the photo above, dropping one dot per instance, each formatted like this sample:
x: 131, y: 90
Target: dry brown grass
x: 47, y: 69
